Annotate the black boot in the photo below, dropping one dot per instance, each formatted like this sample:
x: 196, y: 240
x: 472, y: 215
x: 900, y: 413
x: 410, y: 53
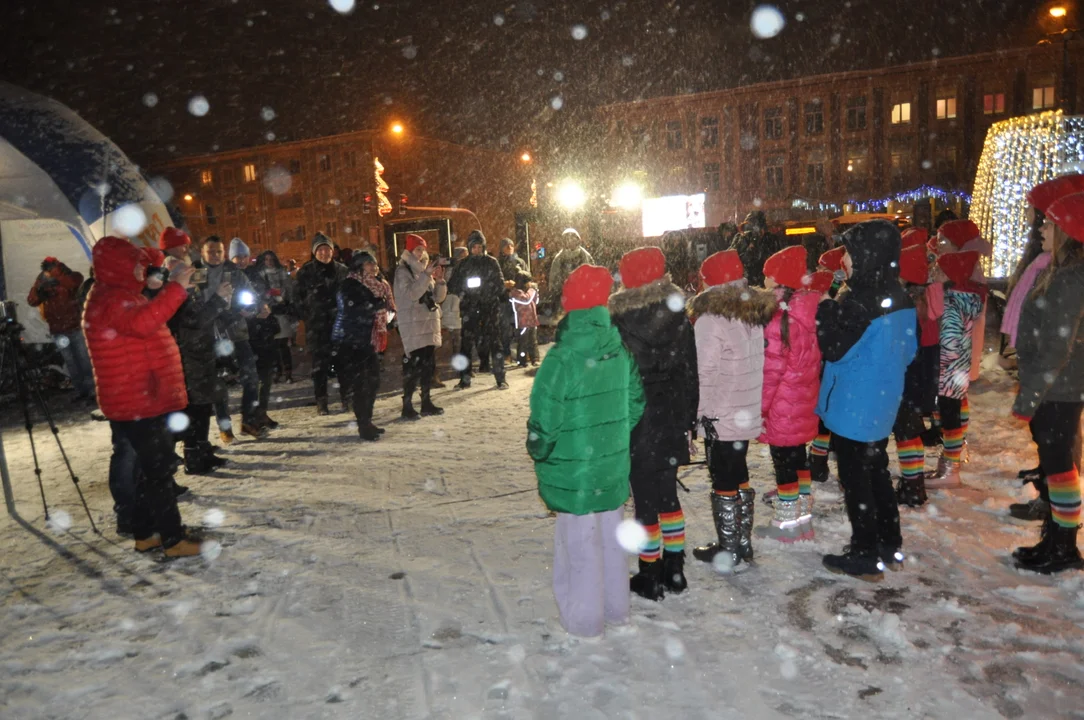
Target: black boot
x: 932, y: 437
x: 179, y: 490
x: 195, y: 462
x: 1027, y: 553
x: 1028, y: 475
x: 858, y: 564
x: 1035, y: 509
x: 409, y: 413
x: 891, y: 557
x: 369, y: 432
x: 321, y: 406
x: 428, y: 408
x: 1060, y: 553
x: 911, y: 492
x: 818, y: 468
x: 648, y: 582
x: 209, y: 456
x: 673, y: 571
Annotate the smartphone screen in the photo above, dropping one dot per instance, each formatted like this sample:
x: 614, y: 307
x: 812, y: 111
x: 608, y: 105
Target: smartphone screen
x: 199, y: 277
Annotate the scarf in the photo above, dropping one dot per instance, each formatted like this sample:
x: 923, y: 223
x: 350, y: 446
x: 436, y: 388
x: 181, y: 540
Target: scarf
x: 382, y: 290
x: 1010, y: 323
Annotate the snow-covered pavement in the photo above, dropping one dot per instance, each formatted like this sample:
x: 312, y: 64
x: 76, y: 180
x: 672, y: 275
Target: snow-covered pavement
x: 411, y: 579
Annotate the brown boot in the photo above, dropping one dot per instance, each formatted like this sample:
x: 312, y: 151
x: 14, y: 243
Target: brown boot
x: 152, y: 543
x: 226, y: 436
x: 185, y: 548
x: 256, y: 432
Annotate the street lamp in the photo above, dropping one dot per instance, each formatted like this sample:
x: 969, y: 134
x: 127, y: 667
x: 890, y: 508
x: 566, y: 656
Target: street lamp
x: 525, y: 157
x: 570, y: 195
x: 1057, y: 11
x: 397, y: 128
x: 188, y: 197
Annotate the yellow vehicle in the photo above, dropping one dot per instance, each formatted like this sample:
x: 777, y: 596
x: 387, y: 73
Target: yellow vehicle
x: 843, y: 222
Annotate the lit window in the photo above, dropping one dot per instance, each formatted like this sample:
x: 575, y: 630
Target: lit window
x: 993, y: 104
x: 901, y: 113
x: 1042, y: 98
x: 250, y: 173
x: 946, y: 108
x: 206, y: 177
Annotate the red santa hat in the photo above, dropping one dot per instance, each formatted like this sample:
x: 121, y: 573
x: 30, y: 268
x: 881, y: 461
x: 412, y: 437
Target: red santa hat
x: 1068, y: 214
x: 171, y: 238
x: 414, y: 242
x: 1045, y: 194
x: 155, y: 257
x: 914, y: 267
x: 641, y: 266
x: 787, y: 267
x: 958, y: 268
x: 821, y: 281
x: 833, y: 259
x: 914, y: 236
x: 721, y: 268
x: 959, y: 232
x: 588, y: 286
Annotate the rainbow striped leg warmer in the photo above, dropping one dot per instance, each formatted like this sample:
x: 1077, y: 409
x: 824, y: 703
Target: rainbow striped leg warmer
x: 912, y: 457
x: 788, y: 491
x: 673, y: 531
x: 1065, y: 498
x: 820, y: 445
x: 652, y: 549
x: 954, y: 443
x: 805, y: 484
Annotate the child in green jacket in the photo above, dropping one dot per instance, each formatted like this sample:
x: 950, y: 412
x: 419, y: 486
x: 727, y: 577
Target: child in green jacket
x: 587, y: 398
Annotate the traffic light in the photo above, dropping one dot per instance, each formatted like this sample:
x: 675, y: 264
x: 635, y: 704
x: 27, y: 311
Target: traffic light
x: 402, y: 204
x: 367, y: 203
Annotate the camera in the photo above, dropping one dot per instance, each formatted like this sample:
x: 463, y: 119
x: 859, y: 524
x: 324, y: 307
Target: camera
x: 428, y: 301
x: 8, y: 315
x: 444, y: 261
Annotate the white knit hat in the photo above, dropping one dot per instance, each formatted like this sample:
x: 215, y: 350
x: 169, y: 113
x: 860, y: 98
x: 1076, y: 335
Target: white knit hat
x: 238, y: 247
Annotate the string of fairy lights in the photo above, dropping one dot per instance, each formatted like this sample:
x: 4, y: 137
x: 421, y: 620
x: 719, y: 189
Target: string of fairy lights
x: 946, y: 197
x: 1018, y: 155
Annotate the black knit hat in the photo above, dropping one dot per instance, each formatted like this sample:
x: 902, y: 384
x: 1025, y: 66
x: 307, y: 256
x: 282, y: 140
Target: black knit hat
x: 359, y: 258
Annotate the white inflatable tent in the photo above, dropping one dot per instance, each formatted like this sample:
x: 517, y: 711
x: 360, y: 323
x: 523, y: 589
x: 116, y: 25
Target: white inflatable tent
x: 61, y: 184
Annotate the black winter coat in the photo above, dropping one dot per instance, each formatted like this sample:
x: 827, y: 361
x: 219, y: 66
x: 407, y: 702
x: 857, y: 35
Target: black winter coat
x: 193, y: 327
x: 357, y: 309
x: 481, y: 303
x: 754, y: 249
x: 663, y: 343
x: 317, y: 288
x: 512, y: 264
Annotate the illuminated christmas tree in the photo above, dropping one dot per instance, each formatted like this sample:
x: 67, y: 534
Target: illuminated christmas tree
x: 383, y: 205
x: 1018, y: 155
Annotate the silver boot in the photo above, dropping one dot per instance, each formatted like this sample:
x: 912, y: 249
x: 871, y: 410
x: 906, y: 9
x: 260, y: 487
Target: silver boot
x: 947, y: 474
x: 805, y: 516
x: 726, y: 511
x: 784, y: 526
x: 745, y: 543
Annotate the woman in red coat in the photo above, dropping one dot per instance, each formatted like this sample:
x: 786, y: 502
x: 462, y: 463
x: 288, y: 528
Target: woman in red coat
x: 140, y: 380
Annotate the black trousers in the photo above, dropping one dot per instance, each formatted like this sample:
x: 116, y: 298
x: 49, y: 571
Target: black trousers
x: 483, y: 334
x: 154, y: 506
x: 323, y: 357
x: 123, y: 469
x: 868, y: 493
x: 266, y: 358
x: 199, y: 425
x: 654, y: 491
x: 285, y: 361
x: 359, y: 375
x: 787, y: 461
x: 1055, y: 428
x: 727, y: 464
x: 909, y: 424
x: 418, y: 368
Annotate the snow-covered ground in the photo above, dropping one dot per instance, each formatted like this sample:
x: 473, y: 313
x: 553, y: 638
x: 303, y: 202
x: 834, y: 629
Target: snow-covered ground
x: 411, y: 579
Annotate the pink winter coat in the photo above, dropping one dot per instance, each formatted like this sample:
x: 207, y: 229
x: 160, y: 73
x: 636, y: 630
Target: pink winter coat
x: 728, y: 322
x: 792, y: 375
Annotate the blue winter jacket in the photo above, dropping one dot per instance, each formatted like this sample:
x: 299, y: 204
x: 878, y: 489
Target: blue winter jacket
x: 868, y: 337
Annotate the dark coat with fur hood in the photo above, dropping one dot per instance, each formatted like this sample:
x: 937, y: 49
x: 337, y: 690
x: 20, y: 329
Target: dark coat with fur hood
x: 660, y: 338
x: 729, y: 322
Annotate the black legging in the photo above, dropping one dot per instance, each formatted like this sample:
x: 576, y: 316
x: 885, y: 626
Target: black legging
x: 1055, y: 428
x: 653, y: 492
x: 418, y: 369
x: 727, y: 464
x: 868, y: 493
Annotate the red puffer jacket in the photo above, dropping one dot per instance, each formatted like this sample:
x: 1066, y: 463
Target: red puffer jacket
x: 137, y: 366
x: 792, y: 374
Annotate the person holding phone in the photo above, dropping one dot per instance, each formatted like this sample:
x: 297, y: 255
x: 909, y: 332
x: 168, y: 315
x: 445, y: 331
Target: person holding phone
x: 318, y: 283
x: 419, y: 289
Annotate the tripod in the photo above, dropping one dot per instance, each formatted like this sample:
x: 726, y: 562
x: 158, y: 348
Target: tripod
x: 27, y: 390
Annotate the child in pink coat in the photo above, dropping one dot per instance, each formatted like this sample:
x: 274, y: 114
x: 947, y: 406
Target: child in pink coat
x: 792, y: 364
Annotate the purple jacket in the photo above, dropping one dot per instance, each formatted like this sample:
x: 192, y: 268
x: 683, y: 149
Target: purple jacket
x: 792, y: 375
x: 729, y: 325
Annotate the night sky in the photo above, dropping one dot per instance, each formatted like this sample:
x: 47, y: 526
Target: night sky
x: 479, y: 72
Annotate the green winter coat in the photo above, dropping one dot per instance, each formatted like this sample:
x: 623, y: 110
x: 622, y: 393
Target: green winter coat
x: 587, y: 398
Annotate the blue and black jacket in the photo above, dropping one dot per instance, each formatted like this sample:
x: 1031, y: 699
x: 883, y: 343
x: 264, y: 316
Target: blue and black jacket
x: 868, y: 336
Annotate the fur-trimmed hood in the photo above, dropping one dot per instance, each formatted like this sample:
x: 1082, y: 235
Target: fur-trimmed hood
x: 626, y: 300
x: 751, y: 306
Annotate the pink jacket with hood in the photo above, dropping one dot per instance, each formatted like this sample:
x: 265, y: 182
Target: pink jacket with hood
x: 792, y: 374
x: 728, y: 322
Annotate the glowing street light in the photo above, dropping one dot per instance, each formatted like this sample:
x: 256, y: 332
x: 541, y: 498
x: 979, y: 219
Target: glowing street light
x: 397, y: 128
x: 1057, y: 11
x: 571, y: 195
x: 525, y: 157
x: 628, y: 196
x: 188, y: 197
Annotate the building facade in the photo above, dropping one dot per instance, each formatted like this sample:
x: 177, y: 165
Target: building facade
x: 831, y: 139
x: 278, y: 196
